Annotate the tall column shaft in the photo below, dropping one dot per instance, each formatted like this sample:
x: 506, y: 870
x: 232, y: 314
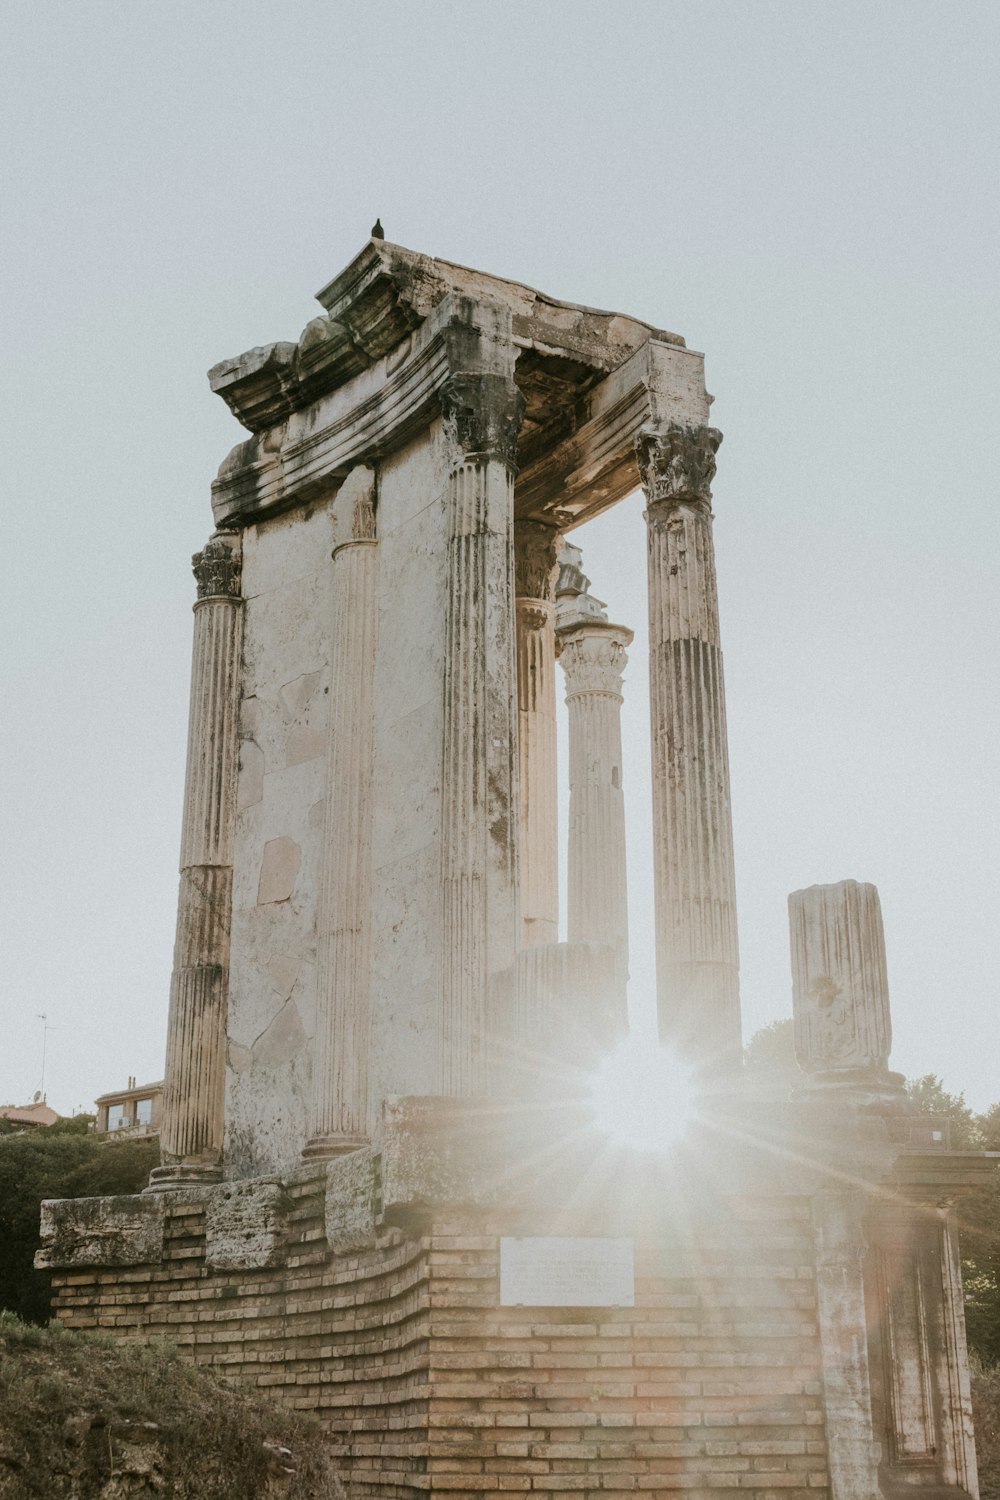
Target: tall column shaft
x: 478, y: 784
x: 340, y: 1104
x: 535, y: 567
x: 697, y: 957
x: 194, y: 1078
x: 593, y: 658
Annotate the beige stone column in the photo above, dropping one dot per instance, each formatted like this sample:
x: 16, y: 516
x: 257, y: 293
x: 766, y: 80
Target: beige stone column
x: 697, y: 959
x: 340, y: 1101
x: 842, y: 1252
x: 194, y: 1082
x: 536, y: 549
x: 840, y: 987
x: 482, y: 414
x: 593, y: 655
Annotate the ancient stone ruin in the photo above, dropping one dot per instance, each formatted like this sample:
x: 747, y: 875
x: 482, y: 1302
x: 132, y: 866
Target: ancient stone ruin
x: 385, y: 1196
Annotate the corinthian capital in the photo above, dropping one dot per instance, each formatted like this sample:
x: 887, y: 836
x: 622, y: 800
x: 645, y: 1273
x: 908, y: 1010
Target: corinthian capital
x: 217, y: 567
x: 594, y: 657
x: 536, y: 560
x: 482, y: 416
x: 677, y: 463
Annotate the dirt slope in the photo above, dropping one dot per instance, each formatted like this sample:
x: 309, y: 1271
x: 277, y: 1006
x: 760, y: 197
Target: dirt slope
x: 86, y: 1419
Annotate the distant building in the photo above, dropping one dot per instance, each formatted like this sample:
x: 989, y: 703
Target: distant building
x: 135, y: 1109
x: 29, y: 1115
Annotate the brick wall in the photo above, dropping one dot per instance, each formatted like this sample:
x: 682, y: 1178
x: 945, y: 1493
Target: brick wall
x: 710, y: 1385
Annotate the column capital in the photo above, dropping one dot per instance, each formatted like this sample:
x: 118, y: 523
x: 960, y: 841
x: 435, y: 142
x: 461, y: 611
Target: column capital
x: 677, y: 464
x: 217, y: 567
x: 536, y: 560
x: 354, y: 509
x: 594, y: 657
x: 482, y: 416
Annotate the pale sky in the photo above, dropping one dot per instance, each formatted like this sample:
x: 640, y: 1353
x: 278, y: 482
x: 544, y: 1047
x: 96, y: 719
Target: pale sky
x: 807, y: 192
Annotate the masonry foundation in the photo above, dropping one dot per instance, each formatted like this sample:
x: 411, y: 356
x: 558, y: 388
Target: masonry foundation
x: 370, y: 1290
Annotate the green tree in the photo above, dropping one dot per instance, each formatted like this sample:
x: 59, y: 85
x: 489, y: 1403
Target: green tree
x: 929, y: 1095
x: 978, y: 1213
x: 57, y: 1161
x: 770, y: 1054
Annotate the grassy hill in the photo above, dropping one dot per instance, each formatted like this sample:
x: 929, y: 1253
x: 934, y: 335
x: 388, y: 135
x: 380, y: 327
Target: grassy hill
x: 86, y: 1419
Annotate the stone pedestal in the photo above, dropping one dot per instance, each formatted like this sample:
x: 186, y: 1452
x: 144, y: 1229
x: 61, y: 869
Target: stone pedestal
x: 536, y: 549
x: 340, y: 1111
x: 482, y: 414
x: 697, y: 957
x: 194, y: 1082
x: 734, y: 1318
x: 593, y: 655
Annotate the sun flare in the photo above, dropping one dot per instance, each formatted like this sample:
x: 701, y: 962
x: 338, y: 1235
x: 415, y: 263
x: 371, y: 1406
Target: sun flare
x: 642, y: 1096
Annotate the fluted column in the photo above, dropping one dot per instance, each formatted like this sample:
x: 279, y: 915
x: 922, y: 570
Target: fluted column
x: 194, y: 1078
x: 482, y: 414
x: 536, y: 549
x: 697, y: 959
x: 840, y: 986
x: 340, y: 1101
x: 593, y: 655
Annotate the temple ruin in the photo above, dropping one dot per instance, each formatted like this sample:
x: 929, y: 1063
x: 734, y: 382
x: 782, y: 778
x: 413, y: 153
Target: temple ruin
x: 383, y: 1193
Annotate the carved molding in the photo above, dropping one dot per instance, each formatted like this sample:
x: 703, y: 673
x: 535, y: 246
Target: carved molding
x: 217, y: 568
x: 363, y: 519
x: 482, y: 416
x: 677, y: 463
x: 354, y: 511
x: 594, y: 659
x: 536, y: 560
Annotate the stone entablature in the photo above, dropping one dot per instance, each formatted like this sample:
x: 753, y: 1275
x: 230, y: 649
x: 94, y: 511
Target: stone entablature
x: 589, y: 381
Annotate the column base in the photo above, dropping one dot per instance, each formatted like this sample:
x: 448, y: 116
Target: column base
x: 864, y: 1085
x: 323, y: 1147
x: 183, y: 1174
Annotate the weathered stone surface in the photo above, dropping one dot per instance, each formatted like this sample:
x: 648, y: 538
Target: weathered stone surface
x: 553, y: 1016
x: 339, y: 1119
x: 194, y: 1073
x: 372, y: 308
x: 246, y: 1225
x: 840, y: 988
x: 697, y: 955
x: 381, y: 632
x: 279, y: 869
x: 100, y: 1232
x: 352, y: 1201
x: 479, y: 793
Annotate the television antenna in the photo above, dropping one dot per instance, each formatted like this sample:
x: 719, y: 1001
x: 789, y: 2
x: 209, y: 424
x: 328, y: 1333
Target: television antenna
x: 46, y: 1028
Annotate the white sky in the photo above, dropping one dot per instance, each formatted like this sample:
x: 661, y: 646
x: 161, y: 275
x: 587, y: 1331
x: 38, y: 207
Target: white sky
x: 807, y: 192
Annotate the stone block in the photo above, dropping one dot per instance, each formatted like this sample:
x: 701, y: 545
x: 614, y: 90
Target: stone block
x: 246, y: 1225
x: 100, y: 1232
x: 352, y: 1201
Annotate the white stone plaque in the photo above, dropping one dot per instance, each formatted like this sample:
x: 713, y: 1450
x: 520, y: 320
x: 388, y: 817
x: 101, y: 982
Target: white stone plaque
x: 566, y: 1272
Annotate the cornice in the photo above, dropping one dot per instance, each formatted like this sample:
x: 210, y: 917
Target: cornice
x: 310, y: 452
x: 377, y: 301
